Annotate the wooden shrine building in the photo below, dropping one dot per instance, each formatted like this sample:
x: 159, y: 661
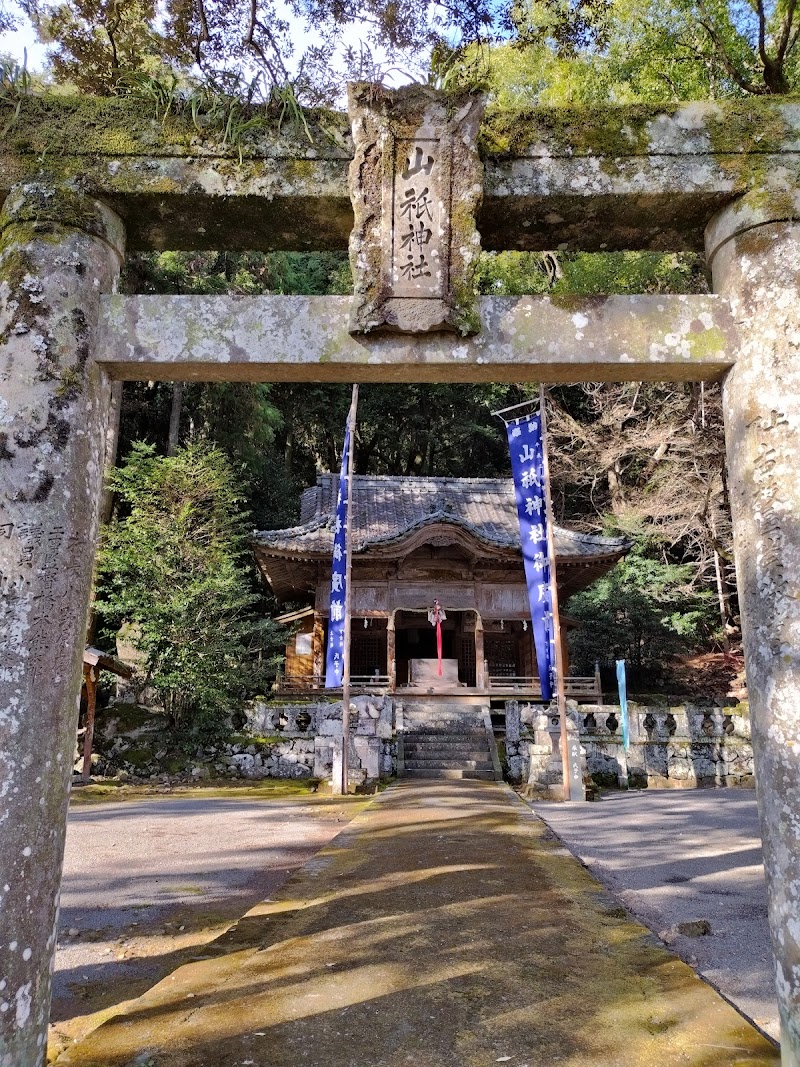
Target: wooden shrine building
x: 416, y: 539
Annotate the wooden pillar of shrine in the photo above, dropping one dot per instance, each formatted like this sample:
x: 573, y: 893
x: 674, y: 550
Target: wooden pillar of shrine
x: 481, y: 679
x: 391, y: 662
x: 318, y: 648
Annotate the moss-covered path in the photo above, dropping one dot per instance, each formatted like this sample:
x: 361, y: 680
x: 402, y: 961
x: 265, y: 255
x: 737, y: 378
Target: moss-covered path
x: 446, y: 927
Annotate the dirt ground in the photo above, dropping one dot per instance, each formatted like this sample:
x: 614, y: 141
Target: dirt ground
x: 153, y: 876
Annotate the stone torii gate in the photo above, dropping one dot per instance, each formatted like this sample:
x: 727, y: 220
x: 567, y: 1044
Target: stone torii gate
x: 82, y: 178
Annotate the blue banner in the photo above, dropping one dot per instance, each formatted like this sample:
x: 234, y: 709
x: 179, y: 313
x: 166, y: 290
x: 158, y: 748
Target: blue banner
x: 622, y: 686
x: 334, y: 666
x: 527, y: 468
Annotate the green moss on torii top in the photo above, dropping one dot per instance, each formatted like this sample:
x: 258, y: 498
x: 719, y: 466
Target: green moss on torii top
x: 49, y: 125
x: 617, y: 177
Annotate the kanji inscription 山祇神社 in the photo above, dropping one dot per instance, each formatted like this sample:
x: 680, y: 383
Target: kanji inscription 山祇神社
x: 416, y: 169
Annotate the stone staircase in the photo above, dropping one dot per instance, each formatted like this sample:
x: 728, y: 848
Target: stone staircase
x: 448, y: 741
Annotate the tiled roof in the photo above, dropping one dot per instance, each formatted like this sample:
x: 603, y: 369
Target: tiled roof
x: 387, y: 509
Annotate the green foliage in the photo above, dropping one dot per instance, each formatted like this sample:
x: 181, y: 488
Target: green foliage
x: 589, y: 273
x: 174, y: 563
x: 622, y: 51
x: 248, y: 422
x: 402, y: 429
x: 15, y: 84
x: 241, y: 273
x: 95, y: 44
x: 644, y: 611
x: 8, y: 19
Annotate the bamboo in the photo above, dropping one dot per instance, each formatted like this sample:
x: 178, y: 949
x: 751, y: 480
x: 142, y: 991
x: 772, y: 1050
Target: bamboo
x: 348, y: 595
x: 561, y: 696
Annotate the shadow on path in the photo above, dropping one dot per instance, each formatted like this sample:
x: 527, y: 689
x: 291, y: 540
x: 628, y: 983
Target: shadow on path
x: 446, y: 927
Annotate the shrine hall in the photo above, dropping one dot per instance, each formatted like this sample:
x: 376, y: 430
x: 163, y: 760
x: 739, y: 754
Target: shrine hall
x: 416, y: 540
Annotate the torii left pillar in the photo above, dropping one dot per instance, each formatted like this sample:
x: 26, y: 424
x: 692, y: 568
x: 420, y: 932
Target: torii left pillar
x: 59, y: 252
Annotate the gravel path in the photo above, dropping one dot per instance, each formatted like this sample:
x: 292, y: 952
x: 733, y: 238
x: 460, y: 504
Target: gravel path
x: 148, y: 881
x: 674, y: 856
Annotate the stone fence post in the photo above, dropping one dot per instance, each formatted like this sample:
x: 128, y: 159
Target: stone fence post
x: 753, y: 248
x: 59, y: 251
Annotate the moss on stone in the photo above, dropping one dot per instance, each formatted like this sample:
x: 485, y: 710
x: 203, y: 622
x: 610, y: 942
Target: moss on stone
x: 45, y: 210
x: 466, y: 316
x: 706, y: 344
x: 50, y: 127
x: 578, y: 301
x: 129, y: 717
x: 137, y: 757
x: 16, y: 264
x: 743, y: 138
x: 749, y: 127
x: 54, y: 128
x: 591, y: 131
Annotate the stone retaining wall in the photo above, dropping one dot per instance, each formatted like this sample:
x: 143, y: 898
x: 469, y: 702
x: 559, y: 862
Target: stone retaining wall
x: 280, y: 741
x: 373, y: 749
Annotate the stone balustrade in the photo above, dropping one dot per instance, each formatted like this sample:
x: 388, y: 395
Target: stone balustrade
x: 655, y: 723
x: 682, y: 746
x: 372, y: 746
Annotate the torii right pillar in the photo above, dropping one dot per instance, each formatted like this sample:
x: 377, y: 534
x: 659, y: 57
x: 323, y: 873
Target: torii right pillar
x: 753, y: 248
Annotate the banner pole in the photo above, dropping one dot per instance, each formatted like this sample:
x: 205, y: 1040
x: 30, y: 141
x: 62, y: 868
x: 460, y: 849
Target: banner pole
x: 561, y: 696
x: 348, y: 598
x: 622, y: 689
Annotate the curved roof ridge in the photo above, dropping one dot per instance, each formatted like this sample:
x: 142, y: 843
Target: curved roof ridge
x: 439, y: 517
x: 485, y: 507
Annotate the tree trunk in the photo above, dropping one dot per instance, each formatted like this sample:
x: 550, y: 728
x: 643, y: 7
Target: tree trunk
x: 90, y: 677
x: 615, y: 489
x: 722, y: 593
x: 175, y: 418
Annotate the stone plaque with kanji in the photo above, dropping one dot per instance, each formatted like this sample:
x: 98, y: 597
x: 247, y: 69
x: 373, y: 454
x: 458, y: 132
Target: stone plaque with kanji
x: 416, y: 182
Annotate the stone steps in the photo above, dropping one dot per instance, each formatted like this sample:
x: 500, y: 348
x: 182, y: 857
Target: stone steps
x: 448, y: 765
x: 446, y: 740
x: 449, y: 752
x: 443, y: 728
x: 413, y: 772
x: 452, y: 716
x: 451, y: 729
x: 445, y: 737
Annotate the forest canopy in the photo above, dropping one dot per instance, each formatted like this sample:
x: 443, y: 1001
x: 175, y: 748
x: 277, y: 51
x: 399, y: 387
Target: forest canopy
x: 523, y: 50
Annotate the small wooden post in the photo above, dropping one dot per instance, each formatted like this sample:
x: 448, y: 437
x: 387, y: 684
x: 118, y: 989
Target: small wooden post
x: 90, y: 678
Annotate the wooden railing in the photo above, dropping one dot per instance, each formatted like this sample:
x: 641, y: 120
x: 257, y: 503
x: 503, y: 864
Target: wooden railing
x: 577, y: 687
x: 587, y: 688
x: 298, y: 684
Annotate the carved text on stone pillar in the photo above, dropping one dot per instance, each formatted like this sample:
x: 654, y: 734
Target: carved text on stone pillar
x: 418, y: 268
x: 415, y: 182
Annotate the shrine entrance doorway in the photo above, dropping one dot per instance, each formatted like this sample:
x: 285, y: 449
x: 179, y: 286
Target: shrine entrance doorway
x: 415, y: 640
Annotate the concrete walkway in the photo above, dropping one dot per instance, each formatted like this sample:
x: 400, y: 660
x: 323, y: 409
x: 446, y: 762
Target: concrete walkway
x: 674, y: 855
x: 445, y: 927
